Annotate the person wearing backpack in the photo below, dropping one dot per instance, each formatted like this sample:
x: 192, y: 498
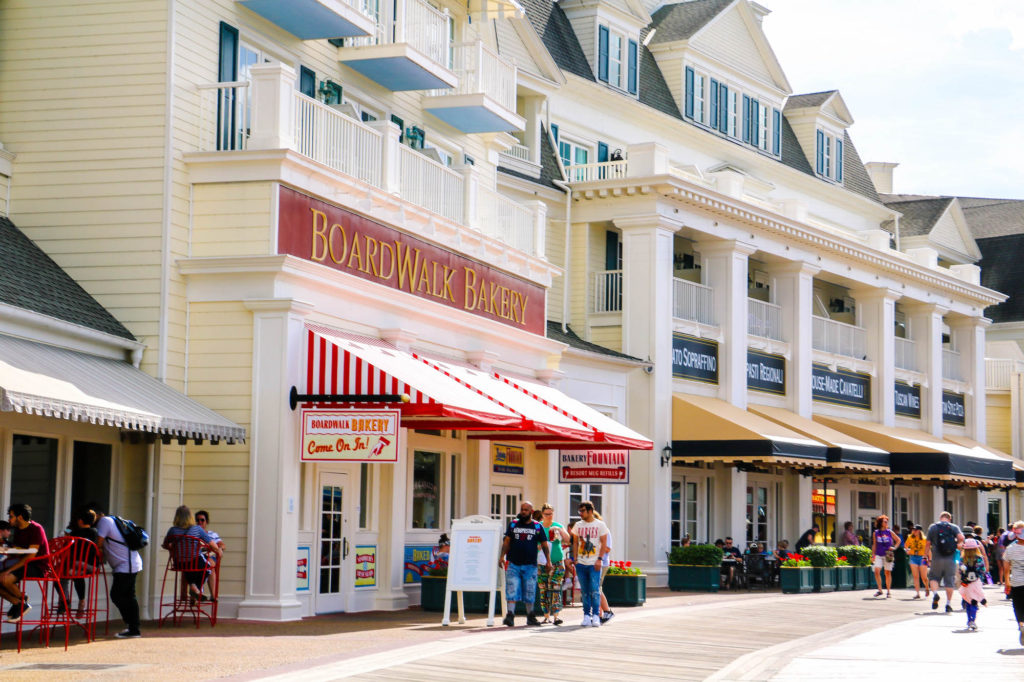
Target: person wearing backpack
x: 940, y: 547
x: 120, y: 540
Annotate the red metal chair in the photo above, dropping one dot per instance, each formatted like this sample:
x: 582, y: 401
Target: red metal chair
x: 187, y: 562
x: 80, y: 563
x: 46, y: 618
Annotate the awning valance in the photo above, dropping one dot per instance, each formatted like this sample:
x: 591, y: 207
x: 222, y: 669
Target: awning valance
x: 1018, y: 466
x: 919, y: 455
x: 710, y: 429
x: 844, y: 451
x: 45, y: 380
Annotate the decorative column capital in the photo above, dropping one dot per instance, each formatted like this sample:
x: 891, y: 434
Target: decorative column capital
x: 723, y: 247
x: 647, y: 221
x: 923, y: 308
x: 875, y: 293
x: 965, y: 322
x: 795, y: 267
x: 279, y: 305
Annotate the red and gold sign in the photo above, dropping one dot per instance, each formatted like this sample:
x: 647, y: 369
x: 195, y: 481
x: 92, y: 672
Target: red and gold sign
x: 822, y: 503
x: 315, y: 230
x: 350, y: 435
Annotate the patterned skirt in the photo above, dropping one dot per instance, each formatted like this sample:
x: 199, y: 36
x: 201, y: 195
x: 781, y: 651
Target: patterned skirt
x: 550, y: 585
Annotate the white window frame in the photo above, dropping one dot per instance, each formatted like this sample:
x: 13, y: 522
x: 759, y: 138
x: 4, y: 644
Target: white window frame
x: 575, y: 147
x: 616, y: 61
x: 733, y: 103
x: 699, y: 96
x: 764, y: 126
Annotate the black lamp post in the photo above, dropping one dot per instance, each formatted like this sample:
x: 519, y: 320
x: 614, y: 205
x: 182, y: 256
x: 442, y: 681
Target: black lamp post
x: 666, y: 455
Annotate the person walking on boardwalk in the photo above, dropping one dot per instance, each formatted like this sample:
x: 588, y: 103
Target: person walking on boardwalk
x: 551, y: 584
x: 883, y: 543
x: 941, y: 544
x: 591, y: 542
x: 972, y: 568
x: 1013, y: 573
x: 522, y: 538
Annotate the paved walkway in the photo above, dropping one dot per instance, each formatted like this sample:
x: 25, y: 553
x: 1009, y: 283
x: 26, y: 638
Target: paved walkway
x: 728, y: 636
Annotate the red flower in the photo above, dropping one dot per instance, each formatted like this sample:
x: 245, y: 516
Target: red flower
x: 629, y: 564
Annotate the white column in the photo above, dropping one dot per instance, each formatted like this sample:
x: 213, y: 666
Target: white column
x: 531, y: 112
x: 390, y: 148
x: 647, y: 334
x: 725, y: 266
x: 736, y: 503
x: 794, y: 292
x: 273, y: 106
x: 539, y: 209
x: 273, y: 462
x: 926, y: 331
x: 876, y: 312
x: 969, y: 338
x: 393, y: 509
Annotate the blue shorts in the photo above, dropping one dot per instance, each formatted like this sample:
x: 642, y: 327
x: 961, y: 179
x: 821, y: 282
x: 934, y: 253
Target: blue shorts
x: 521, y: 582
x: 916, y: 560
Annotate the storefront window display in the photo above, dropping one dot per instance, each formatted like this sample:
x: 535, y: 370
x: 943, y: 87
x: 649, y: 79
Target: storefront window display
x: 823, y: 510
x: 426, y: 490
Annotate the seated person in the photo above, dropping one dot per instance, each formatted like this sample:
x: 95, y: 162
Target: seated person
x: 185, y: 526
x: 81, y: 527
x: 25, y: 534
x: 753, y: 548
x: 203, y: 521
x: 734, y: 553
x: 782, y: 551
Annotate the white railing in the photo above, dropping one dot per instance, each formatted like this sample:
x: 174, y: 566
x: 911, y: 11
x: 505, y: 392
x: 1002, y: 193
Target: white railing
x: 336, y: 140
x: 507, y: 220
x: 480, y: 69
x: 518, y: 151
x: 589, y: 172
x: 432, y: 185
x: 999, y: 372
x: 224, y: 119
x: 423, y: 27
x: 608, y: 291
x: 764, y: 319
x: 906, y: 354
x: 693, y: 301
x: 951, y: 365
x: 838, y: 337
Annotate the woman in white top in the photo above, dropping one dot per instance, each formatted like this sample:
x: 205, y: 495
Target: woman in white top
x: 1013, y: 573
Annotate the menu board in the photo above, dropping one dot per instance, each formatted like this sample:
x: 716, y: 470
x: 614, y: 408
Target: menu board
x: 473, y: 558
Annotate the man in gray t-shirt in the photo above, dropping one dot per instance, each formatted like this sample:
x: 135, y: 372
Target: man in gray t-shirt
x: 942, y: 566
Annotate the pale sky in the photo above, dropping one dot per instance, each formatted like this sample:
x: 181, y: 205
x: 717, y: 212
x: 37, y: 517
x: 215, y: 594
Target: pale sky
x: 934, y: 85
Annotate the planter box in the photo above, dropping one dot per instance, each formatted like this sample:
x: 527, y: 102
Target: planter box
x: 432, y: 597
x: 844, y: 578
x: 693, y: 578
x: 824, y: 579
x: 862, y: 578
x: 625, y: 590
x: 796, y: 580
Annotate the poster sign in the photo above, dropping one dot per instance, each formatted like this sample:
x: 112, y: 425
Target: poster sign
x: 694, y: 358
x: 593, y: 466
x: 350, y: 435
x: 908, y: 400
x: 302, y: 569
x: 508, y: 459
x: 823, y: 502
x: 341, y: 240
x: 366, y: 565
x: 473, y: 562
x: 842, y: 387
x: 417, y: 562
x: 954, y: 408
x: 766, y: 372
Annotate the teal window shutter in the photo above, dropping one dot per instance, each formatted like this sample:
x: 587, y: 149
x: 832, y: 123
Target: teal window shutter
x: 602, y: 152
x: 689, y: 93
x: 723, y: 108
x: 227, y: 71
x: 713, y: 105
x: 633, y: 61
x: 602, y: 53
x: 839, y: 160
x: 755, y: 118
x: 554, y: 132
x: 821, y: 153
x: 307, y: 81
x: 776, y: 132
x: 746, y: 118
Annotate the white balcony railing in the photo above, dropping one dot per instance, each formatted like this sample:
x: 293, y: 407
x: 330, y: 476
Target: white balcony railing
x: 951, y: 365
x: 838, y: 338
x: 590, y: 172
x: 480, y: 69
x: 999, y: 373
x: 224, y: 119
x: 608, y: 291
x: 693, y: 301
x: 518, y: 151
x: 507, y: 220
x: 906, y: 354
x: 764, y: 319
x: 432, y: 185
x: 423, y: 27
x: 336, y: 140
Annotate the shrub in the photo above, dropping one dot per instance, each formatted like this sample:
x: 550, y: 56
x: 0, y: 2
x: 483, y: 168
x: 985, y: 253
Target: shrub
x: 821, y: 556
x: 857, y: 555
x: 696, y: 555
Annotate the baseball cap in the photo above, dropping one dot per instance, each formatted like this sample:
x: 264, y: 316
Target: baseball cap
x: 971, y: 544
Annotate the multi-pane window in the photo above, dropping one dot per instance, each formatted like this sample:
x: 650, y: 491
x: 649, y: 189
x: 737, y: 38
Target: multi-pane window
x: 757, y: 514
x: 683, y: 511
x: 581, y: 492
x: 726, y: 110
x: 615, y: 59
x: 829, y: 156
x: 734, y: 115
x: 698, y: 97
x: 763, y: 123
x: 572, y: 154
x: 426, y: 490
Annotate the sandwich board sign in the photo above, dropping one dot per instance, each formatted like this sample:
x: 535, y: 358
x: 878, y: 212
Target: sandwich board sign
x: 473, y: 563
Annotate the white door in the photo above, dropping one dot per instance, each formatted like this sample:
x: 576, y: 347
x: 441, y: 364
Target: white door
x: 333, y: 546
x: 505, y: 503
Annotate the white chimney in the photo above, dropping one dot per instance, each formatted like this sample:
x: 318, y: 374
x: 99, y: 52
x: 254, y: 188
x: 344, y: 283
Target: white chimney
x: 881, y: 175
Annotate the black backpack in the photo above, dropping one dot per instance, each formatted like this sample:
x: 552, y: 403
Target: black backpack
x: 135, y: 536
x: 946, y: 543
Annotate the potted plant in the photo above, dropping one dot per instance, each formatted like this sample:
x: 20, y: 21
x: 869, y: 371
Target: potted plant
x: 796, y: 575
x: 860, y: 558
x: 434, y: 584
x: 625, y: 585
x: 844, y: 573
x: 695, y: 567
x: 823, y: 562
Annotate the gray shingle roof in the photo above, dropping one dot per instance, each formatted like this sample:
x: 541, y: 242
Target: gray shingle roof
x: 554, y: 29
x: 792, y: 153
x: 679, y: 21
x: 31, y: 280
x: 652, y: 88
x: 569, y: 337
x: 993, y: 217
x: 919, y: 214
x: 810, y: 99
x: 1002, y: 269
x: 549, y: 169
x: 855, y: 175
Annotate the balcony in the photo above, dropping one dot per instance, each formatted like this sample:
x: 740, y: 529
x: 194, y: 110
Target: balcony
x: 838, y: 338
x: 407, y: 50
x: 999, y: 373
x: 315, y: 19
x: 764, y: 319
x: 269, y: 114
x: 906, y: 354
x: 591, y: 172
x: 692, y: 301
x: 607, y: 291
x: 485, y: 99
x: 951, y: 365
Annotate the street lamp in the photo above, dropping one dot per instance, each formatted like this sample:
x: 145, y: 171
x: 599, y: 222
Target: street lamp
x: 666, y: 454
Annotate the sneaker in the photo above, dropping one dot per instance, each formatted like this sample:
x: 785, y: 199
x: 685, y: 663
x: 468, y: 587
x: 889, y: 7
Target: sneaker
x: 608, y: 615
x: 532, y: 619
x: 17, y: 612
x: 888, y: 595
x: 595, y: 621
x: 949, y: 608
x: 128, y: 634
x: 586, y: 623
x: 13, y: 612
x: 935, y: 602
x: 558, y: 621
x: 878, y: 594
x: 917, y: 596
x: 972, y: 626
x: 509, y: 619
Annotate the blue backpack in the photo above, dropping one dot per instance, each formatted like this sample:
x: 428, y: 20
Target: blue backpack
x: 135, y: 536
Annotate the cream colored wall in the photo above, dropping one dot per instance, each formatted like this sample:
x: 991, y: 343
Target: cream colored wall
x: 728, y: 39
x: 5, y: 183
x: 579, y: 243
x: 554, y: 247
x: 999, y: 422
x: 607, y: 336
x: 233, y: 219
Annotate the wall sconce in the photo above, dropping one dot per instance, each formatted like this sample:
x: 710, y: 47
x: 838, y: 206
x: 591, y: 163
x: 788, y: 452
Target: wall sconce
x: 666, y: 455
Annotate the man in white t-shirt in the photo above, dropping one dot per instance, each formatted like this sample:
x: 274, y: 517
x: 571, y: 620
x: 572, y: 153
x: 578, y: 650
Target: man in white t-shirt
x: 590, y: 536
x: 126, y: 565
x: 1013, y: 570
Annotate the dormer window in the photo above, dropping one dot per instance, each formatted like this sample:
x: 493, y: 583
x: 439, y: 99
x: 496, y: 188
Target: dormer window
x: 716, y: 105
x: 617, y: 58
x: 829, y: 163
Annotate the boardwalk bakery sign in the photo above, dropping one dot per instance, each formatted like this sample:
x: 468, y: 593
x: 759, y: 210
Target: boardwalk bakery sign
x: 315, y: 230
x: 350, y: 435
